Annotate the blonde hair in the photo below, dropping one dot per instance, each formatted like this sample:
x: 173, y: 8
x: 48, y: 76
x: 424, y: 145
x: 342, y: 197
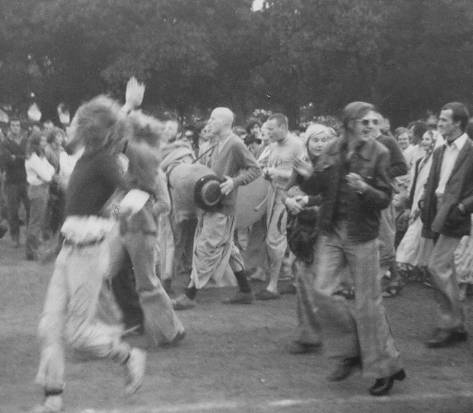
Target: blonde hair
x: 99, y: 124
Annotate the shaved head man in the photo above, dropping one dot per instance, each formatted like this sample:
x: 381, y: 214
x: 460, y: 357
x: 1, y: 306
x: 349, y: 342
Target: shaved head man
x: 220, y: 122
x: 214, y: 248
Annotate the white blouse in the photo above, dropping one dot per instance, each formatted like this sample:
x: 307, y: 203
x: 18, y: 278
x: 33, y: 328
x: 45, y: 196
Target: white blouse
x: 38, y: 170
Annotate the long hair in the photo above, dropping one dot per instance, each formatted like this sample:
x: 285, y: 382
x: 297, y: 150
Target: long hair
x: 98, y: 124
x: 354, y: 111
x: 34, y: 144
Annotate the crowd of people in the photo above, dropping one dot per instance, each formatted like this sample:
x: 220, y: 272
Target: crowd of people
x: 351, y: 211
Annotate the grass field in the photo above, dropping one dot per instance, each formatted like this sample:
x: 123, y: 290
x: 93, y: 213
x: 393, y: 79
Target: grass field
x: 232, y: 360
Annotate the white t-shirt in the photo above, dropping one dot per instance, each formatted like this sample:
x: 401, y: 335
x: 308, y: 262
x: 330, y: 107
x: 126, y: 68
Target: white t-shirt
x: 282, y: 156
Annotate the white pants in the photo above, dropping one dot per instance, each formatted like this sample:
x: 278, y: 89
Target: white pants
x: 70, y: 310
x: 214, y: 249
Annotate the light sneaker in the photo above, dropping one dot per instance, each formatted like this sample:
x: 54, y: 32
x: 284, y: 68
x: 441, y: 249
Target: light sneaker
x: 267, y: 295
x: 183, y: 303
x: 135, y: 370
x: 52, y: 404
x: 175, y: 341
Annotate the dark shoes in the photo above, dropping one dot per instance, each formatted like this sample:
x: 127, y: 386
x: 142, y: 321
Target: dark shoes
x: 267, y: 295
x: 288, y: 289
x: 167, y: 285
x: 384, y: 385
x: 240, y: 298
x: 445, y: 338
x: 3, y: 230
x: 16, y: 241
x: 31, y: 257
x: 344, y: 369
x: 303, y: 348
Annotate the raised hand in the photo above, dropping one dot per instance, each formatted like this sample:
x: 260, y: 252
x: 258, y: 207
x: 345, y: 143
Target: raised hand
x: 134, y: 93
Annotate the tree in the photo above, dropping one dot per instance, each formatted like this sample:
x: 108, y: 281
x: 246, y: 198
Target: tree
x: 406, y: 56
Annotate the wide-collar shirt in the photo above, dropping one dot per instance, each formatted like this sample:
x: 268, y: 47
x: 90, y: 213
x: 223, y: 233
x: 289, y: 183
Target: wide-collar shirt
x: 450, y: 156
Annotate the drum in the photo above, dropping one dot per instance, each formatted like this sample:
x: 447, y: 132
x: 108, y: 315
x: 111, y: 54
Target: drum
x: 193, y: 186
x: 251, y: 202
x: 185, y: 179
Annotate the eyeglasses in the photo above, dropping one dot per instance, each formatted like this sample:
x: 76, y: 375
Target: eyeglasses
x: 367, y: 122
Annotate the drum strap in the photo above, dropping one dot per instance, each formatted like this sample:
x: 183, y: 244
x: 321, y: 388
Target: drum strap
x: 211, y: 149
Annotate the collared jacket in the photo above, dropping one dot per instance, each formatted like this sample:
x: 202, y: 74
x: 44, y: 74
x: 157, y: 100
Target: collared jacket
x: 446, y: 218
x: 371, y: 161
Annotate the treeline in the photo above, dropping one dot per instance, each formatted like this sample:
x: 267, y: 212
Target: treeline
x: 407, y: 56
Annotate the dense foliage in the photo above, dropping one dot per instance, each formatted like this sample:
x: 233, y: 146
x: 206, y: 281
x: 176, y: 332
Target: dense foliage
x: 405, y: 55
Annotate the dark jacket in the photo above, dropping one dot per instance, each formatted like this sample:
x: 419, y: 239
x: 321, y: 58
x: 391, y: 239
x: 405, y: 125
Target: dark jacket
x: 447, y: 219
x: 398, y: 165
x: 12, y: 160
x: 371, y: 162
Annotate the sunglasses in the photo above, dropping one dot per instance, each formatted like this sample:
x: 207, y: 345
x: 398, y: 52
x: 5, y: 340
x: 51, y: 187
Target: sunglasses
x: 367, y: 122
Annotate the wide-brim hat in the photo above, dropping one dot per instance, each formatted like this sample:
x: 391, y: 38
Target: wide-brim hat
x: 207, y: 193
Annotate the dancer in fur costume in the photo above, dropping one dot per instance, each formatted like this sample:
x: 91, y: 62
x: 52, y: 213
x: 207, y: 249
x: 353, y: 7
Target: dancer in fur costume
x: 82, y: 266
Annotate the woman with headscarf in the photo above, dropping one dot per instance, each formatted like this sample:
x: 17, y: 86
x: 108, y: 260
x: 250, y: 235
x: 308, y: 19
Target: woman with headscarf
x: 302, y: 235
x: 414, y: 250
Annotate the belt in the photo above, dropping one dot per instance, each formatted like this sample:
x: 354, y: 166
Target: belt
x: 85, y: 244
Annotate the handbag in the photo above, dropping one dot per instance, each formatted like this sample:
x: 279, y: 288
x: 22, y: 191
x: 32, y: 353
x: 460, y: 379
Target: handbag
x: 302, y: 232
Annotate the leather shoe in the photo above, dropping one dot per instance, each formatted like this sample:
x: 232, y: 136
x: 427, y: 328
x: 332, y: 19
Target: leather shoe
x: 344, y: 369
x: 267, y: 295
x: 303, y: 348
x: 240, y: 298
x: 288, y: 289
x: 168, y: 287
x: 445, y: 338
x: 384, y: 385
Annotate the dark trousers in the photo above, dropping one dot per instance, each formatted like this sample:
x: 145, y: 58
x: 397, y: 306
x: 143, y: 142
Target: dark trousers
x: 55, y: 211
x: 16, y: 193
x: 184, y: 245
x: 124, y: 289
x: 38, y: 196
